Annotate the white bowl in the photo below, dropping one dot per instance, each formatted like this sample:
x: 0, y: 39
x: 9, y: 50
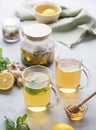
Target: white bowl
x: 43, y: 18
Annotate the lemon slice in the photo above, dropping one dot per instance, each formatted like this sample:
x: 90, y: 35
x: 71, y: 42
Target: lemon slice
x: 62, y: 126
x: 37, y: 77
x: 6, y: 80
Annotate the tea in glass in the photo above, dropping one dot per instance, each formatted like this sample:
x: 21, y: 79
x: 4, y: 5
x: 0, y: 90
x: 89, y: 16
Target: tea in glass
x: 68, y: 74
x: 70, y: 71
x: 37, y: 88
x: 40, y: 96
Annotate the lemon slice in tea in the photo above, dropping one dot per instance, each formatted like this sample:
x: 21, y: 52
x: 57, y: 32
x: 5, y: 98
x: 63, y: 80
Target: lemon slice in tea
x: 38, y: 83
x: 37, y: 77
x: 62, y: 126
x: 6, y: 80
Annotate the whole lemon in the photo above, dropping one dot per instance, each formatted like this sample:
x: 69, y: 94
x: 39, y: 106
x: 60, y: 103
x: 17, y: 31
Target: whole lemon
x: 49, y: 12
x: 62, y: 126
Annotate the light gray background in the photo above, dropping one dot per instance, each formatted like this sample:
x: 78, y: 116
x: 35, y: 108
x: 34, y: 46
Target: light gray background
x: 12, y: 103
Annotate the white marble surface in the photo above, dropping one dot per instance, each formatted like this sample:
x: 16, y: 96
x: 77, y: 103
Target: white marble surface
x: 12, y: 103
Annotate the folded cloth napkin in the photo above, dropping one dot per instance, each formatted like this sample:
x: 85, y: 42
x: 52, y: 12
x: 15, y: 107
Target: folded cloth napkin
x: 70, y: 29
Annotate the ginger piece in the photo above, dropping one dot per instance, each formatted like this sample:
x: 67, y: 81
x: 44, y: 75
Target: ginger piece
x: 19, y: 81
x: 16, y: 70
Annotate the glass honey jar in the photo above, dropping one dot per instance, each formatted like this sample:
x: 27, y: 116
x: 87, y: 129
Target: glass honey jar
x: 37, y: 47
x: 75, y: 114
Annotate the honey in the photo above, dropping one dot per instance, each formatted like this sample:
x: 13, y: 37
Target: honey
x: 78, y: 115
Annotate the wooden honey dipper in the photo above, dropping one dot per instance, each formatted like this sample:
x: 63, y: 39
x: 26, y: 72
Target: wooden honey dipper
x: 76, y: 108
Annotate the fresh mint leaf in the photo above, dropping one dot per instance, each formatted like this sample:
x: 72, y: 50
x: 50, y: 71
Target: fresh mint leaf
x: 10, y: 125
x: 20, y: 125
x: 20, y: 119
x: 4, y: 61
x: 35, y: 91
x: 24, y: 117
x: 0, y: 52
x: 23, y: 126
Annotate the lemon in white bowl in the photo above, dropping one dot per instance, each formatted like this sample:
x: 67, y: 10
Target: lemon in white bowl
x: 47, y: 12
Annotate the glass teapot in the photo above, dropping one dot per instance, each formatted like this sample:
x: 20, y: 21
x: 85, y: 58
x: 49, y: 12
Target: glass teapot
x: 38, y: 46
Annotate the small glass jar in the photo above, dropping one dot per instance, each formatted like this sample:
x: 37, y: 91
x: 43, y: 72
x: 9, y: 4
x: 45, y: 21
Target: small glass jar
x: 10, y: 29
x: 75, y: 115
x: 38, y: 46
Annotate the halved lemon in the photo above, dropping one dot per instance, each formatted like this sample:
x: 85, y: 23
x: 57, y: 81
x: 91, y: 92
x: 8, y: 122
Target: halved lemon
x: 49, y: 12
x: 6, y: 80
x: 62, y: 126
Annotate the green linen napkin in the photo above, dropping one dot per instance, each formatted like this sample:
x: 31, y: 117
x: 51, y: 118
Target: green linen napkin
x: 70, y: 29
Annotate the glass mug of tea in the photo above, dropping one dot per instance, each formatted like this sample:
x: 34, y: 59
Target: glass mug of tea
x: 38, y: 87
x: 69, y: 70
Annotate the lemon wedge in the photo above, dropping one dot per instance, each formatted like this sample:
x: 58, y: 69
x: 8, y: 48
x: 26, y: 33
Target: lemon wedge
x: 62, y: 126
x: 49, y: 12
x: 6, y: 81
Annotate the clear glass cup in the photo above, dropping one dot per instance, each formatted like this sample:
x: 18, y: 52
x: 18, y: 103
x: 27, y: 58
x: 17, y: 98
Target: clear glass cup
x: 10, y: 29
x: 38, y: 88
x: 70, y: 71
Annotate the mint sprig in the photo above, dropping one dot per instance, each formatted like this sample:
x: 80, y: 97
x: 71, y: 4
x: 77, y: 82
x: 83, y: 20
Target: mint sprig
x: 36, y: 91
x: 4, y: 61
x: 10, y: 125
x: 19, y: 125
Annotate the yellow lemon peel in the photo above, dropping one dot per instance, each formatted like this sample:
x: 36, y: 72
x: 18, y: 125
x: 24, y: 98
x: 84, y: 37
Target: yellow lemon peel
x: 62, y: 126
x: 6, y: 80
x: 49, y: 12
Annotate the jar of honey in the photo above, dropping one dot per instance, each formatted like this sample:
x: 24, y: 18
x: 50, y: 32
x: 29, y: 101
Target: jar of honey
x: 37, y: 47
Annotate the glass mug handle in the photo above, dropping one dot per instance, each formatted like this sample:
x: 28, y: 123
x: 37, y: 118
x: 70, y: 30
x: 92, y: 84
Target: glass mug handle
x: 53, y: 88
x: 87, y: 75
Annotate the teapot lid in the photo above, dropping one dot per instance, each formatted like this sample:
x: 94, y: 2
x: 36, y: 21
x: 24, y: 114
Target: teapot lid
x: 37, y: 31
